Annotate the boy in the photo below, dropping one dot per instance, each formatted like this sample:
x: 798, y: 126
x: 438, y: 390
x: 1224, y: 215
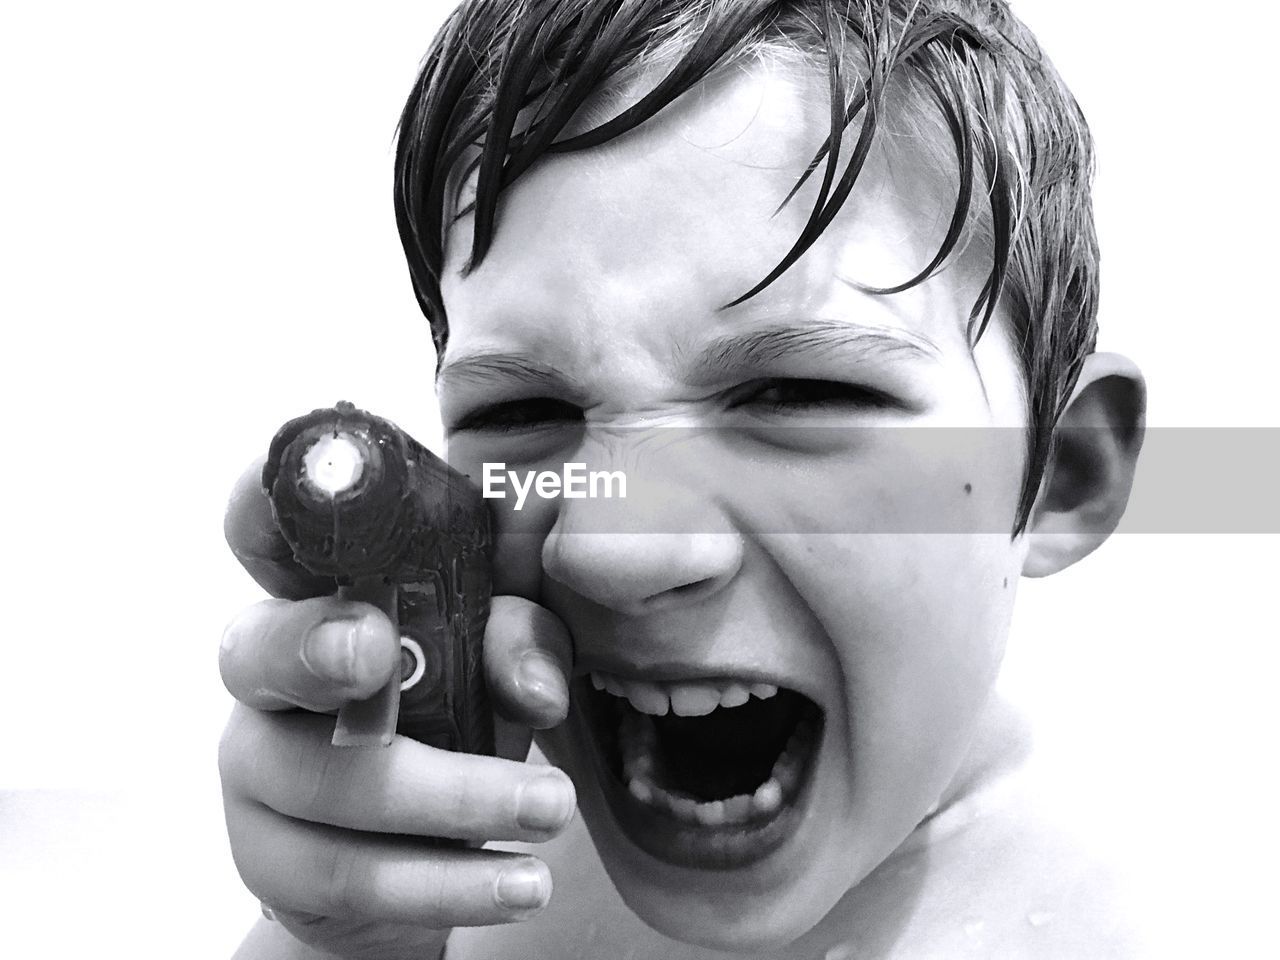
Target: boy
x: 820, y: 279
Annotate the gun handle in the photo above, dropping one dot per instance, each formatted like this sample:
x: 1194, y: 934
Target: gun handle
x: 371, y: 722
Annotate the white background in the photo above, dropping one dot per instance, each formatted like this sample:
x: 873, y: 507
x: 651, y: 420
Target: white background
x: 197, y: 243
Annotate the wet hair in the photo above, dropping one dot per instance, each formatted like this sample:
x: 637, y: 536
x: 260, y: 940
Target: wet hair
x: 504, y: 79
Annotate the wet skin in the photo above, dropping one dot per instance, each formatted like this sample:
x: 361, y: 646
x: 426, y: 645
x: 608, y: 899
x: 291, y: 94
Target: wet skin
x: 607, y: 275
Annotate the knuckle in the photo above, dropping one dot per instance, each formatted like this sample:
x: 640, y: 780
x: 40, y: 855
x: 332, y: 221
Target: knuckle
x: 552, y: 634
x: 439, y: 894
x: 456, y: 798
x: 347, y: 886
x: 312, y: 767
x: 230, y: 640
x: 231, y: 747
x: 272, y: 619
x: 257, y: 872
x: 471, y: 802
x: 518, y: 624
x: 286, y: 761
x: 240, y: 648
x: 511, y: 617
x: 231, y: 646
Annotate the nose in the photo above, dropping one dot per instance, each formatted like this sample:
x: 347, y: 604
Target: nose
x: 674, y: 551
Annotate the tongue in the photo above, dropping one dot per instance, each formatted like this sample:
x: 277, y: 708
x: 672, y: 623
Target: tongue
x: 728, y: 752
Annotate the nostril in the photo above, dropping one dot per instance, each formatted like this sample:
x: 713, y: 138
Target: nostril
x: 682, y: 593
x: 691, y: 587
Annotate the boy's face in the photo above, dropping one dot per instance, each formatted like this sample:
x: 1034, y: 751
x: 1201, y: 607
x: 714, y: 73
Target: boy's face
x: 604, y: 286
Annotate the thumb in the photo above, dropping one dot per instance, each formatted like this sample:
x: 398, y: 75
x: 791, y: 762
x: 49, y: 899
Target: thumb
x: 254, y: 538
x: 528, y: 659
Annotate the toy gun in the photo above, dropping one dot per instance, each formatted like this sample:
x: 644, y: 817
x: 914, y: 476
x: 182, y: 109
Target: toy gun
x: 358, y: 499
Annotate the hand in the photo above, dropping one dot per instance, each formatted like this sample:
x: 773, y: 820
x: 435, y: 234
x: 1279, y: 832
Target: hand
x: 335, y: 839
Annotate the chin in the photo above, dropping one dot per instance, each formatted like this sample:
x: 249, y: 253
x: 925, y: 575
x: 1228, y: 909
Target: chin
x: 722, y: 923
x: 749, y: 937
x: 715, y: 828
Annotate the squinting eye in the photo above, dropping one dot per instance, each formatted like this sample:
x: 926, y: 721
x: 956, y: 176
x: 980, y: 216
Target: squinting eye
x: 518, y: 414
x: 794, y: 394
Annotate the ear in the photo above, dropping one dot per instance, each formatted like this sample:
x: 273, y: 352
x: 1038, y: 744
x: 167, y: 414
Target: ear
x: 1089, y: 475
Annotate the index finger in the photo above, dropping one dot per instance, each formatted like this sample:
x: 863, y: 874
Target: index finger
x: 254, y: 538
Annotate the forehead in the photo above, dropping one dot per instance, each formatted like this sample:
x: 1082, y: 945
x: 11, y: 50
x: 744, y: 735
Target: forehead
x: 661, y: 228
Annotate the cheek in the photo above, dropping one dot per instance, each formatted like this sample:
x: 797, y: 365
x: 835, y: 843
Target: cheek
x: 918, y: 623
x: 915, y: 585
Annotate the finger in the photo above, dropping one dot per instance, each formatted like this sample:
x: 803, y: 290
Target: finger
x: 528, y: 658
x: 358, y: 940
x: 254, y: 538
x: 316, y: 654
x: 288, y: 762
x: 312, y: 868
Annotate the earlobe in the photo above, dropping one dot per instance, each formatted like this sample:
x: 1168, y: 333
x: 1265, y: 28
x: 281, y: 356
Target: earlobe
x: 1089, y: 475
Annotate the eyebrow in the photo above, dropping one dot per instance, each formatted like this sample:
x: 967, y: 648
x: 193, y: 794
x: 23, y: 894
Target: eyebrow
x: 809, y: 340
x: 485, y: 368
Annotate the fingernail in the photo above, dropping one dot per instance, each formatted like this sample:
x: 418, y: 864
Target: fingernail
x: 539, y: 676
x: 526, y: 886
x: 545, y: 802
x: 329, y: 650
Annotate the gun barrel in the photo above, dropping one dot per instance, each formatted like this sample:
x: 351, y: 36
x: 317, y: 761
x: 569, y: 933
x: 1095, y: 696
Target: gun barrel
x: 360, y: 500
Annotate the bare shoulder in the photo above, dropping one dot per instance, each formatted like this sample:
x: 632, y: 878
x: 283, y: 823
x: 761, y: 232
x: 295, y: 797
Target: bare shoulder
x: 1002, y: 877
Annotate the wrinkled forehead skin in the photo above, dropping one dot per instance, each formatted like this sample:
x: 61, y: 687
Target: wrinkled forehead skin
x: 596, y: 228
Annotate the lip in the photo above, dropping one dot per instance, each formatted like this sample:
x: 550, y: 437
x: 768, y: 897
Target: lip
x: 662, y: 836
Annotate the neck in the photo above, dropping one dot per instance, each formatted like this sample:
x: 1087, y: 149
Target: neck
x: 872, y: 920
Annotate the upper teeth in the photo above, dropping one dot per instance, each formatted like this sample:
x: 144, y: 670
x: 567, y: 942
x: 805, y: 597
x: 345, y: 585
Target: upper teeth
x: 686, y: 698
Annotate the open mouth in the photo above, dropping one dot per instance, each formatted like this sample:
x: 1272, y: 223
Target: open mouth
x: 709, y: 773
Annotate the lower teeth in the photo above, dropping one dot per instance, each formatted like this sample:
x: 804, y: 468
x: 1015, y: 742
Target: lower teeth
x: 637, y: 738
